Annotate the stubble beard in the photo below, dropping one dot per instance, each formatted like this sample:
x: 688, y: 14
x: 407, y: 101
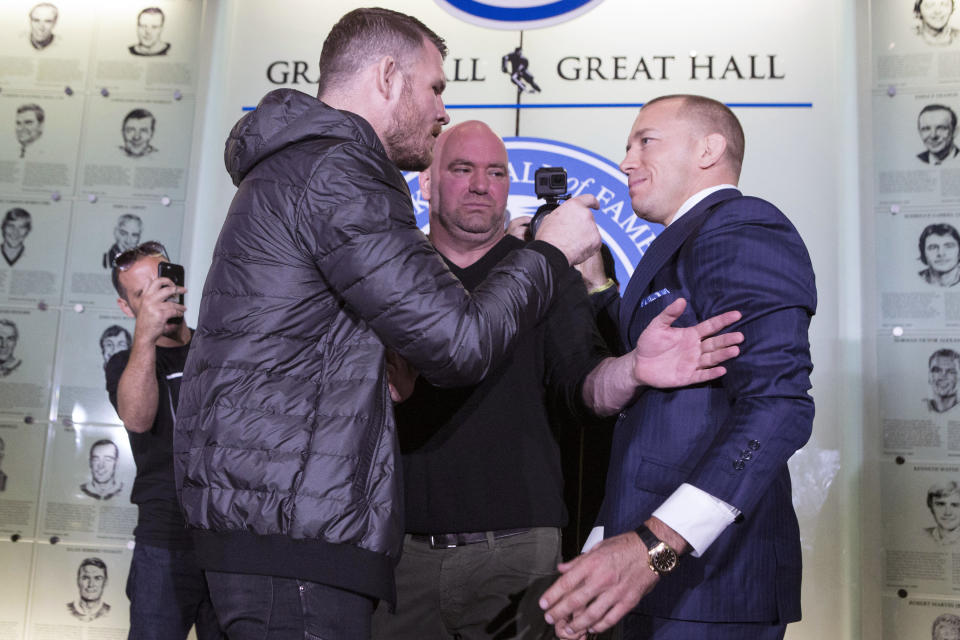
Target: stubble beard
x: 406, y: 147
x: 171, y: 330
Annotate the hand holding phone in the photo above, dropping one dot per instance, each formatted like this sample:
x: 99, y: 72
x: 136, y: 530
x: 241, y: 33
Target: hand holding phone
x: 175, y: 273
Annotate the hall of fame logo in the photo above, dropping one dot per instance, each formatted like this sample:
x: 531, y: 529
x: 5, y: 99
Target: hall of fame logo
x: 627, y: 235
x: 517, y: 14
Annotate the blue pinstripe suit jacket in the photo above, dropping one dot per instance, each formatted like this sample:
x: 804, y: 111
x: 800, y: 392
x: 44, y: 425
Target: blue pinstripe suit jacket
x: 730, y: 437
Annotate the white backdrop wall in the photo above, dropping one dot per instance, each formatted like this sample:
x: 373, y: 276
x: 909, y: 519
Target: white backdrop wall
x: 791, y: 70
x: 803, y: 157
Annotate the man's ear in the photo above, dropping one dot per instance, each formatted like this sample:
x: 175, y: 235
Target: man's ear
x: 388, y: 80
x: 712, y: 148
x: 127, y: 311
x: 425, y: 181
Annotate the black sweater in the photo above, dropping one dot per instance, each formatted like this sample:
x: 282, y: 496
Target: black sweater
x: 485, y: 457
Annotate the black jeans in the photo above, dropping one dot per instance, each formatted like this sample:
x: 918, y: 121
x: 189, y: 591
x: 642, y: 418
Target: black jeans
x: 168, y: 594
x: 253, y: 607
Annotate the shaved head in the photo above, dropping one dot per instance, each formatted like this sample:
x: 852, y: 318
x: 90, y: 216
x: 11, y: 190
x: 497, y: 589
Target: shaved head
x: 710, y: 116
x: 469, y: 129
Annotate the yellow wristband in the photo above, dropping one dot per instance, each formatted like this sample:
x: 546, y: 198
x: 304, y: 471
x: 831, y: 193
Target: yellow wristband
x: 606, y: 285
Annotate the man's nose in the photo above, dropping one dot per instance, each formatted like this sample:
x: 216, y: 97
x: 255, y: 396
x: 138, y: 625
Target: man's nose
x: 480, y: 182
x: 444, y: 116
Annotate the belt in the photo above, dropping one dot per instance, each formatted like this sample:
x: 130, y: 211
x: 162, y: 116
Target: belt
x: 451, y: 540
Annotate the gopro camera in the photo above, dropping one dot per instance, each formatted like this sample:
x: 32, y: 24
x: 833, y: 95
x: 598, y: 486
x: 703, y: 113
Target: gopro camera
x: 550, y: 184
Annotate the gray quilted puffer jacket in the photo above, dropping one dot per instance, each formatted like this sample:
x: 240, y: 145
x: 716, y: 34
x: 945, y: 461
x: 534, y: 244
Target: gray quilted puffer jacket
x: 285, y: 450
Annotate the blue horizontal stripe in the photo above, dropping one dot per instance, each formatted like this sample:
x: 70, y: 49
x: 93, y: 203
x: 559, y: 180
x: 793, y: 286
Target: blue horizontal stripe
x: 770, y: 105
x: 615, y: 105
x: 622, y: 105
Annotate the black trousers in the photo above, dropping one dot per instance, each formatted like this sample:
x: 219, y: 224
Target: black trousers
x: 253, y: 607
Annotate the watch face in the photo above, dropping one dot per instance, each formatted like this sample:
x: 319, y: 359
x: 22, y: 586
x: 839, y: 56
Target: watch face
x: 663, y: 558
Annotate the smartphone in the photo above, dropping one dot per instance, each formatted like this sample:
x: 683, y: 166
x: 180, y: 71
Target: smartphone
x: 175, y: 273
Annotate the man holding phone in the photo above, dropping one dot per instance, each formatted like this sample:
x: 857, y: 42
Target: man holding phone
x: 167, y: 589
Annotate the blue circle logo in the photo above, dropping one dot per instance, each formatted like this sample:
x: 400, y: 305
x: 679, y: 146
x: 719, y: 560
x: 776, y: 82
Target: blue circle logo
x: 627, y: 235
x: 517, y: 14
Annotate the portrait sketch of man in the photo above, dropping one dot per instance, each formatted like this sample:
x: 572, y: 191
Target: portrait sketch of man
x: 933, y: 21
x: 91, y: 581
x: 138, y: 129
x: 15, y: 227
x: 126, y: 235
x: 937, y: 126
x: 946, y: 626
x: 29, y: 125
x: 103, y: 483
x: 149, y: 34
x: 944, y: 368
x: 43, y: 18
x: 939, y: 246
x: 8, y: 343
x: 114, y: 339
x: 943, y: 500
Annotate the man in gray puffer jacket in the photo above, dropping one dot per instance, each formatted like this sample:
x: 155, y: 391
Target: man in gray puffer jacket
x: 285, y: 449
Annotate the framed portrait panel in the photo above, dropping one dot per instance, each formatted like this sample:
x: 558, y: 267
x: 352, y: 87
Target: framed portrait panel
x: 102, y: 231
x: 921, y: 516
x: 918, y: 279
x: 88, y: 476
x: 917, y: 161
x: 41, y: 137
x: 45, y: 43
x: 27, y: 344
x: 136, y: 146
x: 78, y: 592
x: 16, y: 558
x: 33, y: 249
x: 21, y: 462
x: 147, y: 47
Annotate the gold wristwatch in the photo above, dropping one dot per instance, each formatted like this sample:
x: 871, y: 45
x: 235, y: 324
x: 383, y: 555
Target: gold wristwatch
x: 661, y: 558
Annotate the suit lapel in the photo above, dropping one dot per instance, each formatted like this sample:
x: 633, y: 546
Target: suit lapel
x: 660, y: 251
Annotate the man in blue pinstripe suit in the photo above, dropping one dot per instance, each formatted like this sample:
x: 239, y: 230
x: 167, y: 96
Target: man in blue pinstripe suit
x: 701, y: 540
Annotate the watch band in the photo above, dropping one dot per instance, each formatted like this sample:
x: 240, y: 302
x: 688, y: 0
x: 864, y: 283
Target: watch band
x: 649, y: 538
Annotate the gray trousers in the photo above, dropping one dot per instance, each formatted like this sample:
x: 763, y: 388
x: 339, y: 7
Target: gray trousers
x: 486, y: 590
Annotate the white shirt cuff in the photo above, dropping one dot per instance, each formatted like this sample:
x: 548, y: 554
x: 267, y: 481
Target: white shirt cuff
x: 595, y: 537
x: 697, y: 516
